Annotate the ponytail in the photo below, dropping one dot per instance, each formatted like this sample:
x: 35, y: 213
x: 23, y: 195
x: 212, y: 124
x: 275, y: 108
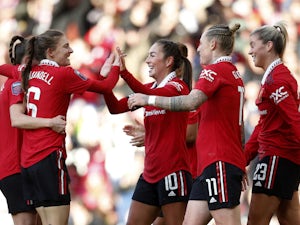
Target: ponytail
x: 186, y: 66
x: 16, y: 51
x: 28, y: 66
x: 187, y: 72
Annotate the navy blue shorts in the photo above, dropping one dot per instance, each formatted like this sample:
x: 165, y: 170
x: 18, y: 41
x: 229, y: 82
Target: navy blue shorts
x: 276, y: 176
x: 220, y: 185
x: 47, y: 181
x: 174, y: 187
x: 12, y: 190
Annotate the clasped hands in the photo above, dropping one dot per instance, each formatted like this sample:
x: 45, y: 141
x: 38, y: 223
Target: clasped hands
x: 114, y: 59
x: 137, y: 100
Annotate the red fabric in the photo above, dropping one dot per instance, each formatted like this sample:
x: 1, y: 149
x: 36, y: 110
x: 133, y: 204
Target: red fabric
x: 49, y: 95
x: 11, y: 138
x: 165, y: 136
x: 219, y: 134
x: 278, y: 131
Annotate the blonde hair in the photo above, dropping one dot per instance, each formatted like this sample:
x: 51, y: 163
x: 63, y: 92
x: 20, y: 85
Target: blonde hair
x: 224, y: 35
x: 276, y: 33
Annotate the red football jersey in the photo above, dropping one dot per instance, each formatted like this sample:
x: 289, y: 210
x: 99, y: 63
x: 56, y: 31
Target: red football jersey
x: 49, y: 93
x: 165, y: 131
x: 11, y: 138
x: 278, y: 130
x: 50, y: 89
x: 11, y: 71
x: 219, y: 135
x: 194, y: 117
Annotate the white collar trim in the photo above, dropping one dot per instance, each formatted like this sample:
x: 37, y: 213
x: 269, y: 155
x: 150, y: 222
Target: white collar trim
x: 223, y: 59
x: 48, y: 62
x: 269, y: 69
x: 169, y: 77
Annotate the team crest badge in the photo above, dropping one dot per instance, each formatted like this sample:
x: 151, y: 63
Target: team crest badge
x: 16, y: 88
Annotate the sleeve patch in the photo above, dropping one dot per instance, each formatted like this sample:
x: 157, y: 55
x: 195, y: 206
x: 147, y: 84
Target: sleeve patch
x: 279, y: 95
x: 80, y: 75
x: 177, y: 85
x: 208, y: 75
x: 16, y: 88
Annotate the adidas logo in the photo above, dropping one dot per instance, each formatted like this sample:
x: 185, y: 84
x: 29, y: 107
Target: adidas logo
x: 212, y: 200
x: 172, y: 193
x: 258, y: 184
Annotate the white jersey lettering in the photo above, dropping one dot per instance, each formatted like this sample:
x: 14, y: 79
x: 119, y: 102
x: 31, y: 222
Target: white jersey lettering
x: 279, y: 95
x: 155, y: 112
x: 41, y: 75
x: 208, y: 75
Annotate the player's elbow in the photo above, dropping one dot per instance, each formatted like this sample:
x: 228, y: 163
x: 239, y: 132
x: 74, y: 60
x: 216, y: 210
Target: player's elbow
x: 15, y: 123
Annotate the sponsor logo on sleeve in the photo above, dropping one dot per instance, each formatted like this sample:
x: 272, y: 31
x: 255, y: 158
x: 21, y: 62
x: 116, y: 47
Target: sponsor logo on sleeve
x: 21, y: 67
x: 16, y: 88
x: 177, y: 85
x: 80, y: 75
x: 279, y: 95
x: 208, y: 75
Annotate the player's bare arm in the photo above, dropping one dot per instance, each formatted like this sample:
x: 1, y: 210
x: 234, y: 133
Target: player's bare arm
x: 20, y: 120
x: 178, y: 103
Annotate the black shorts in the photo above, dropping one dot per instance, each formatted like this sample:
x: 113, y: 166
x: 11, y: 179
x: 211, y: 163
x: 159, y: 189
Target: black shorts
x: 12, y: 190
x: 47, y: 182
x: 220, y: 185
x: 276, y: 176
x: 175, y: 187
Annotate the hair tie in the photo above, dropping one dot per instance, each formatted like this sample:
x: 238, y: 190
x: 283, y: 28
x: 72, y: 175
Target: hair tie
x: 278, y: 28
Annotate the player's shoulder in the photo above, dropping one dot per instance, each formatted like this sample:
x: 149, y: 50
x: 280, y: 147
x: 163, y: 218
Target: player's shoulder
x: 16, y: 87
x: 280, y: 75
x: 178, y: 84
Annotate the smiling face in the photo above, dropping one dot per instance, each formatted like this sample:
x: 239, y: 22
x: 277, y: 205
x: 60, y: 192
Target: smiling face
x: 159, y: 67
x: 61, y: 53
x: 258, y: 51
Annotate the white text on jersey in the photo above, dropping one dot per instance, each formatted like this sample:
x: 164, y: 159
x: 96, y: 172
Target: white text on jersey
x: 155, y: 112
x: 279, y: 95
x: 41, y: 75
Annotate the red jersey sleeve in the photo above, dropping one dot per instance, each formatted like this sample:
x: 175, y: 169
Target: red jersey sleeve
x: 209, y: 81
x: 287, y: 103
x: 194, y: 116
x: 106, y: 85
x: 11, y: 71
x: 174, y: 87
x: 114, y: 105
x: 16, y: 93
x: 252, y: 145
x: 76, y: 82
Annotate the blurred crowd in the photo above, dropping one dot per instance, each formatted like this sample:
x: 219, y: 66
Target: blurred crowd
x: 103, y: 165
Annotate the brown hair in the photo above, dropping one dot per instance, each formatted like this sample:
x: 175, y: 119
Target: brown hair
x: 17, y: 50
x: 36, y: 49
x: 179, y: 53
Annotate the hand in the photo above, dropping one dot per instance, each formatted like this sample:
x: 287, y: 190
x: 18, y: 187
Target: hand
x: 105, y: 69
x: 122, y: 56
x: 58, y: 124
x: 137, y: 132
x: 245, y: 182
x: 137, y: 100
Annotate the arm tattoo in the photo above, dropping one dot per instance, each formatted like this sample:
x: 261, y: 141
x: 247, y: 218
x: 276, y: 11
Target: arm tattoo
x: 176, y: 104
x: 182, y: 102
x: 172, y: 104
